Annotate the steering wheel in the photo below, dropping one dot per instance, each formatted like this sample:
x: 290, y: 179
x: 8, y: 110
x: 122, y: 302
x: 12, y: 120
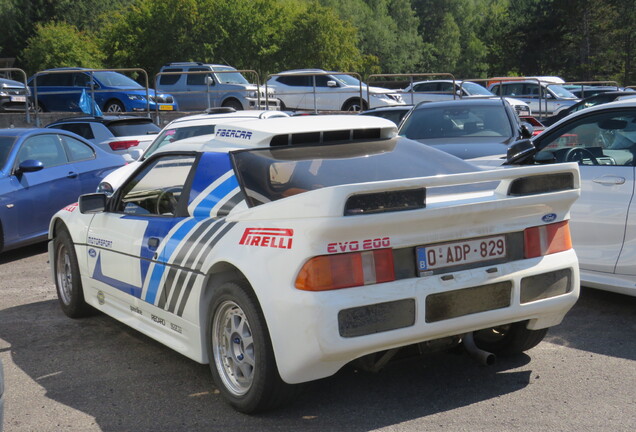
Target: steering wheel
x: 576, y: 154
x: 170, y: 201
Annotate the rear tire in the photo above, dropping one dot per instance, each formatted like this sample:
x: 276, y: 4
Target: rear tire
x: 240, y: 351
x: 67, y: 277
x: 509, y: 339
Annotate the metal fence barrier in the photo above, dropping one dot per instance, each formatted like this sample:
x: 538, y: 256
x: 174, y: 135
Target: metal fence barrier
x: 411, y: 81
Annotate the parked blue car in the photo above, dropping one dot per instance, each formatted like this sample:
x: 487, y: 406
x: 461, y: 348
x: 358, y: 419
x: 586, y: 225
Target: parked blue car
x: 42, y: 171
x: 113, y: 91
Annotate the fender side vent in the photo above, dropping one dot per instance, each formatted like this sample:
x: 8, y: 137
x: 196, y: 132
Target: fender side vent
x: 541, y: 184
x: 384, y: 202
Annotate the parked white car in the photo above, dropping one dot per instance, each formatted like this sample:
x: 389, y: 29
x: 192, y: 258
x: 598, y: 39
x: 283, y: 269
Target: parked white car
x: 544, y: 98
x: 187, y: 127
x: 442, y: 90
x: 602, y: 140
x: 285, y: 248
x: 316, y: 89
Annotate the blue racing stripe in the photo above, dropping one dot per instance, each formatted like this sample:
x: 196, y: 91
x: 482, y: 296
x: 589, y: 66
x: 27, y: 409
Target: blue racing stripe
x: 171, y: 245
x: 213, y: 198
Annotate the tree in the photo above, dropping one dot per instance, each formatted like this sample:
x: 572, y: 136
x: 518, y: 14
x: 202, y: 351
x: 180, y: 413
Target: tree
x: 61, y: 45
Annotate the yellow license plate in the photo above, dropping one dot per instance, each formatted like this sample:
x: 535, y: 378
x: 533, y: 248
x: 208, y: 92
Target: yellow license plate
x: 165, y: 107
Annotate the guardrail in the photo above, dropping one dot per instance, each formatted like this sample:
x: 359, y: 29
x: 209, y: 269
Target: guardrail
x: 314, y: 87
x: 26, y: 91
x: 540, y: 95
x: 91, y: 86
x: 593, y: 84
x: 227, y: 96
x: 372, y: 77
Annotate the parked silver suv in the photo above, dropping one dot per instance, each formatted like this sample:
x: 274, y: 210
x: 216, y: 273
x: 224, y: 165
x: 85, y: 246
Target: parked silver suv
x: 224, y: 86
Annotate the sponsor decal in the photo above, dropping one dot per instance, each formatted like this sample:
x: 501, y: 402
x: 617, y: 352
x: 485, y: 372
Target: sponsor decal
x: 550, y: 217
x: 100, y: 242
x: 158, y: 320
x: 280, y: 238
x: 176, y: 328
x: 136, y: 310
x: 101, y: 298
x: 359, y: 245
x: 92, y: 253
x: 71, y: 208
x: 234, y: 133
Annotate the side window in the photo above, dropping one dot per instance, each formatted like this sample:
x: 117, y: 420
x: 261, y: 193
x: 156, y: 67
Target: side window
x: 424, y: 87
x: 197, y: 79
x: 82, y: 129
x: 295, y: 80
x: 156, y: 190
x: 45, y: 148
x: 54, y: 79
x: 77, y: 150
x: 446, y: 87
x: 169, y: 79
x: 321, y: 80
x: 531, y: 90
x: 513, y: 89
x: 81, y: 80
x: 601, y: 139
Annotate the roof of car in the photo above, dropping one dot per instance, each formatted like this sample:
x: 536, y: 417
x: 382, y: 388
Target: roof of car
x: 227, y: 116
x: 300, y: 71
x: 107, y: 119
x: 456, y: 102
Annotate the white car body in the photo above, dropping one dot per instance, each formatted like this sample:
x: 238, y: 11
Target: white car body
x: 603, y: 221
x: 441, y: 90
x: 553, y: 99
x: 114, y: 179
x: 333, y: 91
x: 157, y: 273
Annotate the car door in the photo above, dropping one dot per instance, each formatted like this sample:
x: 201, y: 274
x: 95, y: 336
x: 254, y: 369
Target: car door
x: 40, y: 194
x: 130, y: 243
x: 599, y: 217
x: 199, y: 96
x: 295, y: 91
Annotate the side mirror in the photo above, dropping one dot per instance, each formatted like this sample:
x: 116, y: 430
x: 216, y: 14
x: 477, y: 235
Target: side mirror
x: 519, y: 150
x: 92, y: 203
x: 527, y: 130
x: 332, y: 83
x: 30, y: 165
x: 209, y: 80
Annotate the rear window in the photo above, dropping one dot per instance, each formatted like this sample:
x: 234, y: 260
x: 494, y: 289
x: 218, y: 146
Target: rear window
x: 274, y: 173
x: 125, y: 128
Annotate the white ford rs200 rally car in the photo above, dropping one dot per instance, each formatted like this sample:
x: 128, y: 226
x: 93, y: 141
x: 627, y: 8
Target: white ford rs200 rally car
x: 285, y: 248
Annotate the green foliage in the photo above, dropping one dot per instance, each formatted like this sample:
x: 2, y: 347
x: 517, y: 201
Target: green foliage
x: 61, y: 45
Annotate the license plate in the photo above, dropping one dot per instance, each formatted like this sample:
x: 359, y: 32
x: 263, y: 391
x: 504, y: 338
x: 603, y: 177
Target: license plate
x: 18, y: 98
x: 165, y: 107
x: 462, y: 252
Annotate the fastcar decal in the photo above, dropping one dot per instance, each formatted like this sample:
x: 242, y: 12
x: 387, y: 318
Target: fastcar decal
x: 358, y: 245
x: 268, y: 237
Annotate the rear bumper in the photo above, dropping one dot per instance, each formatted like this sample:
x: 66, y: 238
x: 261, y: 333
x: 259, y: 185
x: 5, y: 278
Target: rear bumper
x: 315, y: 334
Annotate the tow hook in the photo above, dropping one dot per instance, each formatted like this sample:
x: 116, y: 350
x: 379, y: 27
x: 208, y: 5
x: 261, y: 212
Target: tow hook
x: 484, y: 357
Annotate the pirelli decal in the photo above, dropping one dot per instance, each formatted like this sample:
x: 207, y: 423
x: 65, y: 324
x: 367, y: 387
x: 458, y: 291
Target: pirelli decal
x: 280, y: 238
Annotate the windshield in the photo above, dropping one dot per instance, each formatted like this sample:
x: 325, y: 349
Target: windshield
x: 348, y: 80
x: 467, y: 121
x: 175, y: 134
x: 561, y: 92
x: 275, y: 173
x: 6, y: 142
x: 114, y: 79
x: 473, y: 89
x: 230, y: 77
x: 123, y: 128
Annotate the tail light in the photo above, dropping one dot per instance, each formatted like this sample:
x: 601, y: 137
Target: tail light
x: 547, y: 239
x: 123, y: 145
x: 331, y: 272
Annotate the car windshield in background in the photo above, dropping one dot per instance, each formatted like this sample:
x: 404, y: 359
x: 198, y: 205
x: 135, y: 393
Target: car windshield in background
x: 133, y: 128
x: 347, y: 79
x: 475, y: 121
x: 171, y: 135
x: 561, y: 92
x: 232, y: 77
x: 6, y: 142
x: 274, y: 173
x: 114, y: 79
x: 474, y: 89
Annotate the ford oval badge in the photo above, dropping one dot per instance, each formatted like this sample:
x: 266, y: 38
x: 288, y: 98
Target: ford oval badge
x: 92, y: 253
x: 550, y: 217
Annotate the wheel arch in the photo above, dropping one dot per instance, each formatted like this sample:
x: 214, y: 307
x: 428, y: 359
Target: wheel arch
x: 355, y: 100
x: 230, y: 100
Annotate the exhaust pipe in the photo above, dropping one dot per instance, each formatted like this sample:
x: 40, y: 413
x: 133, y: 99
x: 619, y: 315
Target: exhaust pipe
x: 484, y: 357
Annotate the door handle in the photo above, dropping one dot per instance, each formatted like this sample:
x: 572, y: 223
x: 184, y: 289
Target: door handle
x: 609, y: 180
x: 153, y: 243
x: 72, y: 174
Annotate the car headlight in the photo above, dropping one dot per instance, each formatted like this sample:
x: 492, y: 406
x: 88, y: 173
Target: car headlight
x: 136, y: 97
x: 252, y: 94
x: 3, y: 93
x: 105, y: 187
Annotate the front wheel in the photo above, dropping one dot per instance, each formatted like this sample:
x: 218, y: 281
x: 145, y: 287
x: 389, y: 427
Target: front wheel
x: 233, y: 103
x: 241, y: 356
x: 509, y: 339
x: 114, y: 106
x: 67, y: 277
x: 355, y: 104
